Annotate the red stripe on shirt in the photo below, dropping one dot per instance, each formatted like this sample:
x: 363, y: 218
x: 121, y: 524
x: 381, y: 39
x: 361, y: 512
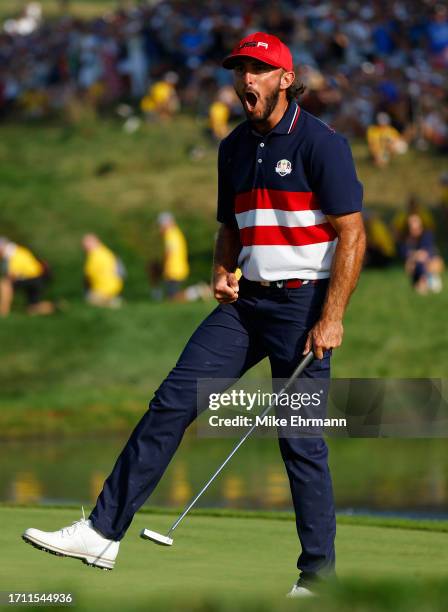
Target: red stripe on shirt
x: 281, y: 235
x: 276, y: 198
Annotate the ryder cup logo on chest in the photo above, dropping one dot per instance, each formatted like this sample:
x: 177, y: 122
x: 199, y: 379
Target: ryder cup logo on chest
x: 283, y: 167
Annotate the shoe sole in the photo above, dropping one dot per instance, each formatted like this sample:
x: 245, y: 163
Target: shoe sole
x: 90, y: 561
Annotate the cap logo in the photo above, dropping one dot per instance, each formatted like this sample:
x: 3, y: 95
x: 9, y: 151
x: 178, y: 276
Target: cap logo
x: 254, y: 44
x: 283, y: 167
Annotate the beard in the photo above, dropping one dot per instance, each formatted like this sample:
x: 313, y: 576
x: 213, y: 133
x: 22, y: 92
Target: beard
x: 270, y: 102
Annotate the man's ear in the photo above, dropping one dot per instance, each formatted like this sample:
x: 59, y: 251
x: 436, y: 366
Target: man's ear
x: 287, y: 79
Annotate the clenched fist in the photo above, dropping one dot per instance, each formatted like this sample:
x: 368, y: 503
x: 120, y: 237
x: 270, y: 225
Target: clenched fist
x: 225, y: 287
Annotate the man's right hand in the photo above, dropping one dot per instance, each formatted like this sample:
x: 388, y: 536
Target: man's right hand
x: 225, y: 287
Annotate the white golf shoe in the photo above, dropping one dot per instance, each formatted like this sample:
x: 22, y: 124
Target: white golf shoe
x: 299, y: 592
x: 79, y: 540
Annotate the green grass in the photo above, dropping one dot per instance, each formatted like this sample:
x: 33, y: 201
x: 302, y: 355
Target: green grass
x: 231, y: 563
x: 362, y: 520
x: 109, y: 363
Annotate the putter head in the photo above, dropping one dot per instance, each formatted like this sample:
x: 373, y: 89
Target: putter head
x: 158, y: 538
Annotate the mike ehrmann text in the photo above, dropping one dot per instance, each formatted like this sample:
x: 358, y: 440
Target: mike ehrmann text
x: 295, y: 420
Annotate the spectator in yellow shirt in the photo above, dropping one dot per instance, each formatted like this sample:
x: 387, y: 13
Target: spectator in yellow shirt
x: 220, y: 111
x: 380, y: 251
x: 22, y: 271
x: 384, y: 141
x: 175, y: 260
x: 161, y: 99
x: 218, y: 115
x: 103, y: 274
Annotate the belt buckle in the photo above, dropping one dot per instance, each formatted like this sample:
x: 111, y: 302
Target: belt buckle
x: 265, y: 283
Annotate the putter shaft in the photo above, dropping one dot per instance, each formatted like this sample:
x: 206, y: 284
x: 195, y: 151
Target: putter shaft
x: 305, y: 362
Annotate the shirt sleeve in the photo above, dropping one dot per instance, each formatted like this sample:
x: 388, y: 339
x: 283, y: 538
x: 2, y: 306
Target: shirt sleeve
x: 333, y: 176
x: 226, y: 195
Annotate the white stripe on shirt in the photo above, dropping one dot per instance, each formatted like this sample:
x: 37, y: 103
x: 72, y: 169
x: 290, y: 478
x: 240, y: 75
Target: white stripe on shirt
x: 285, y: 218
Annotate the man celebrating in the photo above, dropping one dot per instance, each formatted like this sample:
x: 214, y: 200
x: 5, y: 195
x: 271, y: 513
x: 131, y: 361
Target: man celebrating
x: 289, y: 206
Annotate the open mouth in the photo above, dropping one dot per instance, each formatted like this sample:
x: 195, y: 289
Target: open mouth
x: 251, y: 100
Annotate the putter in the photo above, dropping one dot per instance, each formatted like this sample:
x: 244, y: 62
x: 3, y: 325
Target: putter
x: 167, y: 540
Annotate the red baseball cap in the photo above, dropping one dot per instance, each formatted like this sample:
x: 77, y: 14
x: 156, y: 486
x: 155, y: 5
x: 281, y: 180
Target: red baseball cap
x: 263, y: 47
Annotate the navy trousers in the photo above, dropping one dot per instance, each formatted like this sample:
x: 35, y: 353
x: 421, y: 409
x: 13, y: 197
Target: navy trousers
x: 263, y: 322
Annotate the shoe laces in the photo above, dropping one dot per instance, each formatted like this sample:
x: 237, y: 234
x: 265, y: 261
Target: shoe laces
x: 69, y: 531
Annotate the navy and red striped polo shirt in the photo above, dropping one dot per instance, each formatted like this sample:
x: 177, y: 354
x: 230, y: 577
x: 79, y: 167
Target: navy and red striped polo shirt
x: 279, y: 187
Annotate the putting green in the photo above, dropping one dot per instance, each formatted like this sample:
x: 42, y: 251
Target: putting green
x: 229, y: 562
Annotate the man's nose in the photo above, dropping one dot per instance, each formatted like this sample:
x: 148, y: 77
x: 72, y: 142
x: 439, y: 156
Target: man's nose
x: 247, y: 76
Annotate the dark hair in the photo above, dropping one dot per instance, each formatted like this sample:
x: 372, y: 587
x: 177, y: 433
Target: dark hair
x: 295, y: 90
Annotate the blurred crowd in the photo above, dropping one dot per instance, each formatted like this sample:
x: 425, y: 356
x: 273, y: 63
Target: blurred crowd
x: 357, y: 59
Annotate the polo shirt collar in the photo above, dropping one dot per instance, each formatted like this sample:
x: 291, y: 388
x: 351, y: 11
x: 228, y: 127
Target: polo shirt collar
x: 286, y: 124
